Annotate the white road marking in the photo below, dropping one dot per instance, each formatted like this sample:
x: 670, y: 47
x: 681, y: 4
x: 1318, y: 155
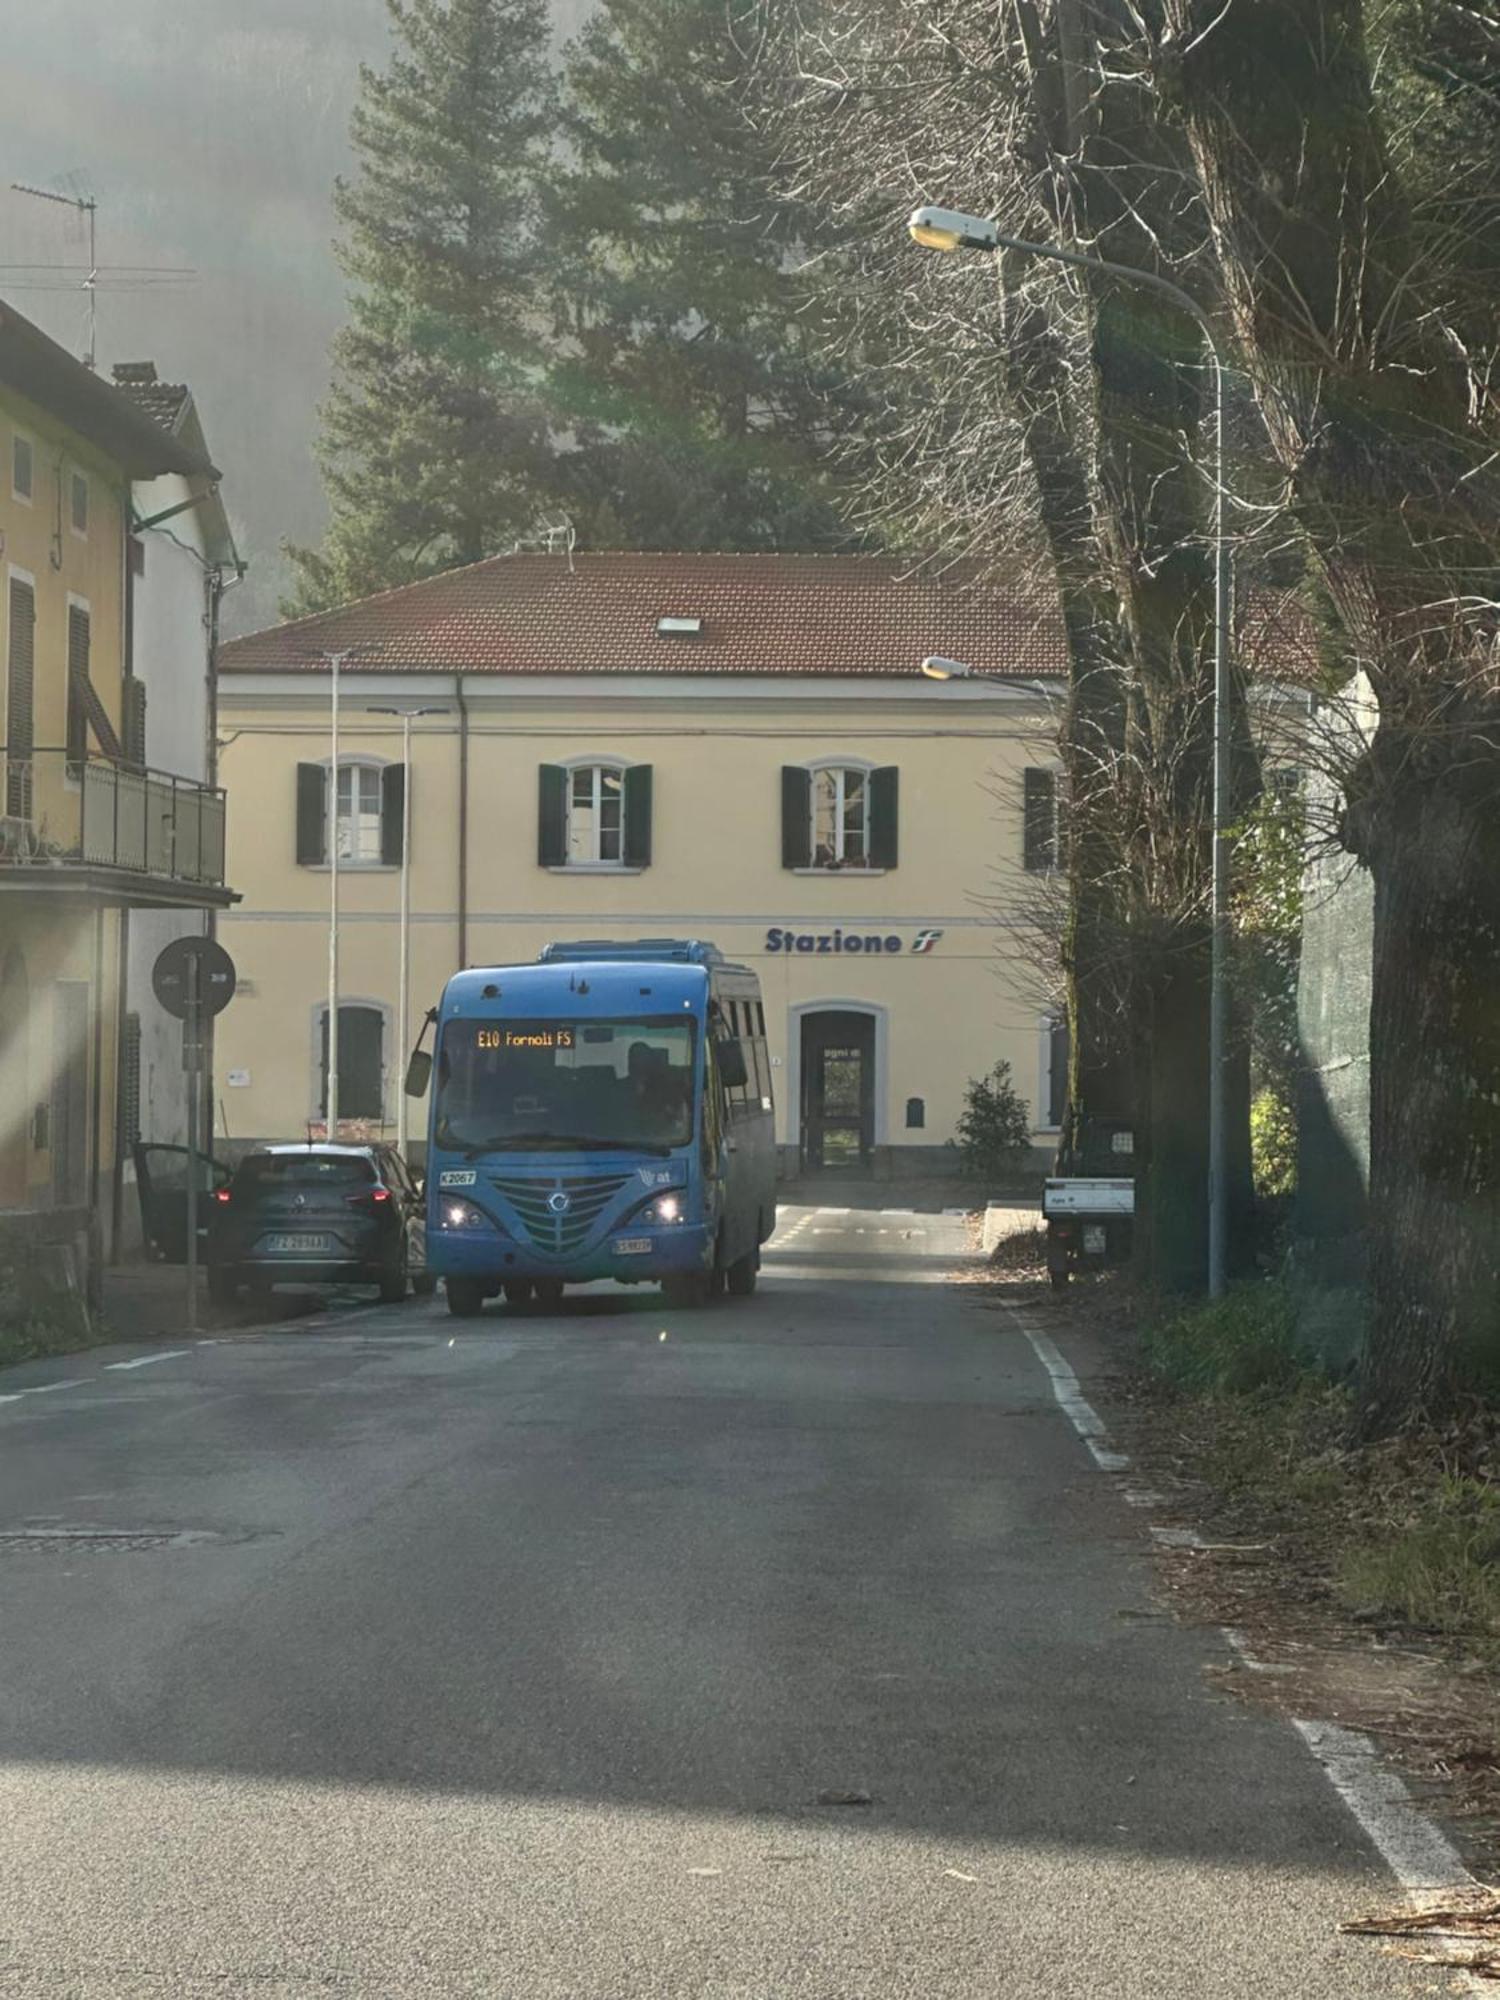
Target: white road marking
x: 1420, y: 1856
x: 1080, y: 1413
x: 148, y: 1360
x: 46, y: 1388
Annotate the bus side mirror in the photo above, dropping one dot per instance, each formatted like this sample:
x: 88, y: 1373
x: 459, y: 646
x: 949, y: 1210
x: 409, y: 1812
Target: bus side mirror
x: 418, y: 1073
x: 732, y: 1071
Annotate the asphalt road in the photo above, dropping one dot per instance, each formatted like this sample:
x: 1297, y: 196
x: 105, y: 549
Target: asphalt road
x: 524, y: 1657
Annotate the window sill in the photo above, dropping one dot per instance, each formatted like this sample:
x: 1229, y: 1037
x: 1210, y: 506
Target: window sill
x: 352, y: 867
x: 593, y: 868
x: 845, y: 874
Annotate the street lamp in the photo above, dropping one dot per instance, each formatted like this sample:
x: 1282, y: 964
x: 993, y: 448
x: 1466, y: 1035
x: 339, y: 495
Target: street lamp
x: 951, y: 229
x: 408, y: 717
x: 333, y: 662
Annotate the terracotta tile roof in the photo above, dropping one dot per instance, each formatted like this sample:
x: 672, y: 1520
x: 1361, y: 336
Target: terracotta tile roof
x: 761, y: 614
x: 163, y: 402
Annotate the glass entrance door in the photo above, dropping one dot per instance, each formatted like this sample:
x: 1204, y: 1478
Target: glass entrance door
x: 838, y: 1091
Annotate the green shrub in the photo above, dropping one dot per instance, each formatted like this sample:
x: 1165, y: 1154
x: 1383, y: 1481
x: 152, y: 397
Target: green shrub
x: 1439, y: 1568
x: 1232, y: 1346
x: 1273, y: 1145
x: 994, y: 1127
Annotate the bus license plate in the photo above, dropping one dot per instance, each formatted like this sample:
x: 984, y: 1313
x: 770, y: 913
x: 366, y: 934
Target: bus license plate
x: 631, y: 1246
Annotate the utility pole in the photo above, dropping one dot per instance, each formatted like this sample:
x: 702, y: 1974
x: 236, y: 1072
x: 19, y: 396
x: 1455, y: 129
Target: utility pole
x: 331, y: 1107
x: 403, y: 1001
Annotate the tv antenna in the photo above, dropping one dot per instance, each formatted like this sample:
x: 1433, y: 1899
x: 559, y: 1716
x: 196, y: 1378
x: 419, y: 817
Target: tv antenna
x: 86, y: 205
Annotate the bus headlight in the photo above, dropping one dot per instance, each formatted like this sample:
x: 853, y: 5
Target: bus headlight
x: 455, y: 1214
x: 665, y: 1208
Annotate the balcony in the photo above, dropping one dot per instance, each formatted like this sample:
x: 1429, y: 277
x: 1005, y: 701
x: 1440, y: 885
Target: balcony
x: 129, y: 836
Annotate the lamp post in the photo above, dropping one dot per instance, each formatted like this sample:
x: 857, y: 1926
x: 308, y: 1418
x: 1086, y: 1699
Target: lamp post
x: 950, y: 229
x: 408, y: 717
x: 333, y: 661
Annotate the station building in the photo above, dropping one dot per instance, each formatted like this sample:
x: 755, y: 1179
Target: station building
x: 741, y: 748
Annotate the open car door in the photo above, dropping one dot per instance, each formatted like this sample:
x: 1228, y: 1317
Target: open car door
x: 161, y: 1183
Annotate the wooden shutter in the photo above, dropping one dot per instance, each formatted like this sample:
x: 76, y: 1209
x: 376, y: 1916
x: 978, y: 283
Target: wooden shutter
x: 133, y: 722
x: 796, y: 817
x: 552, y: 816
x: 76, y: 738
x: 312, y: 815
x: 884, y: 791
x: 130, y: 1080
x: 638, y: 816
x: 20, y: 701
x: 392, y: 813
x: 1039, y: 820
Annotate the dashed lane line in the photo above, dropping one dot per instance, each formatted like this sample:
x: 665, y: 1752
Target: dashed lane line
x: 147, y: 1360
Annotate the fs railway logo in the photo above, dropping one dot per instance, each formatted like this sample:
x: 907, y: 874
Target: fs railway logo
x: 844, y: 943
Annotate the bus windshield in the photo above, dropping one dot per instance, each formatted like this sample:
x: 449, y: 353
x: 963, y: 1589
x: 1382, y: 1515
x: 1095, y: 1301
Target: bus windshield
x: 515, y: 1086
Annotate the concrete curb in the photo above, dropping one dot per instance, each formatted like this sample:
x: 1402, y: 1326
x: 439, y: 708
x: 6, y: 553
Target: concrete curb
x: 1002, y: 1219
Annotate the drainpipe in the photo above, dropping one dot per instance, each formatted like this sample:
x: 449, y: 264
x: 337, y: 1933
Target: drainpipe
x: 96, y: 1249
x: 463, y: 822
x: 122, y: 978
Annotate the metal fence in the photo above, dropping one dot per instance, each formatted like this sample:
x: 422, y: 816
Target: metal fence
x: 108, y: 815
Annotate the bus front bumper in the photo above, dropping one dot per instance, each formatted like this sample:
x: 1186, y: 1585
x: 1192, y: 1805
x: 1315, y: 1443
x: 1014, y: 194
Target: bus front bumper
x: 625, y: 1254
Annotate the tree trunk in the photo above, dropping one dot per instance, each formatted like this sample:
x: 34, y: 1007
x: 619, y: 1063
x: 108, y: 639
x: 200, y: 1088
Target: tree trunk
x: 1367, y: 407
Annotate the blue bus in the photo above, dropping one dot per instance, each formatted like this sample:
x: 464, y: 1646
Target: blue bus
x: 604, y: 1113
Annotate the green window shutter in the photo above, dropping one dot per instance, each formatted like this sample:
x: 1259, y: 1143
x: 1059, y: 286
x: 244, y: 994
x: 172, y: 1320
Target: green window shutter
x: 638, y: 816
x: 552, y: 816
x: 1039, y: 820
x: 393, y: 782
x: 20, y: 704
x: 76, y: 736
x: 312, y: 815
x: 884, y: 792
x: 134, y: 721
x: 796, y: 817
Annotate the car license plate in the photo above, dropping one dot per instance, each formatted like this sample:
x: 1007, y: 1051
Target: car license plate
x: 631, y: 1246
x: 300, y: 1246
x: 1093, y: 1239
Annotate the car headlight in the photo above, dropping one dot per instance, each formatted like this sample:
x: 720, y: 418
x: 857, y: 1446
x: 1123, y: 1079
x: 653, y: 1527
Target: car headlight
x: 455, y: 1214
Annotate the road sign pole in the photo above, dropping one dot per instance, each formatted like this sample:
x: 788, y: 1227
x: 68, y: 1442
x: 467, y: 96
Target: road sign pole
x: 192, y: 1061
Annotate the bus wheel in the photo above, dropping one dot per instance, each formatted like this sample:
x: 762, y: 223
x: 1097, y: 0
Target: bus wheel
x: 517, y: 1291
x: 549, y: 1292
x: 740, y: 1277
x: 465, y: 1297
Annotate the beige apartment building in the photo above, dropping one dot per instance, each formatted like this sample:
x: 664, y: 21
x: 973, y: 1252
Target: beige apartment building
x: 739, y: 748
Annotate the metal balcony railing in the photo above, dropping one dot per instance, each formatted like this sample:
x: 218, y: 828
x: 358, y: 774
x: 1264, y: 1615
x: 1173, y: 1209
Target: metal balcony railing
x: 58, y: 810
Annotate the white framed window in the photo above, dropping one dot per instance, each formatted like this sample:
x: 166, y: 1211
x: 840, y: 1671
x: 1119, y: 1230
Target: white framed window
x: 22, y: 467
x: 841, y: 816
x: 78, y: 503
x: 360, y: 810
x: 596, y: 815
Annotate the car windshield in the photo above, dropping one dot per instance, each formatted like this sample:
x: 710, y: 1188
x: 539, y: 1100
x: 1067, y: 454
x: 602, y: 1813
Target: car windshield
x: 507, y: 1086
x: 264, y: 1172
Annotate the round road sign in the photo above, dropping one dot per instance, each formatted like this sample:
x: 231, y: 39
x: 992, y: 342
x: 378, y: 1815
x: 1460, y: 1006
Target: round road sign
x: 170, y: 976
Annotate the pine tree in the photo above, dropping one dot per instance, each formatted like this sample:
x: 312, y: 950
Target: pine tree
x: 434, y: 445
x: 691, y: 386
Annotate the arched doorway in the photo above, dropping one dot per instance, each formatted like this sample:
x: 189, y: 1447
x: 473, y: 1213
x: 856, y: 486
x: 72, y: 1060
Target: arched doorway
x: 15, y: 1078
x: 840, y: 1049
